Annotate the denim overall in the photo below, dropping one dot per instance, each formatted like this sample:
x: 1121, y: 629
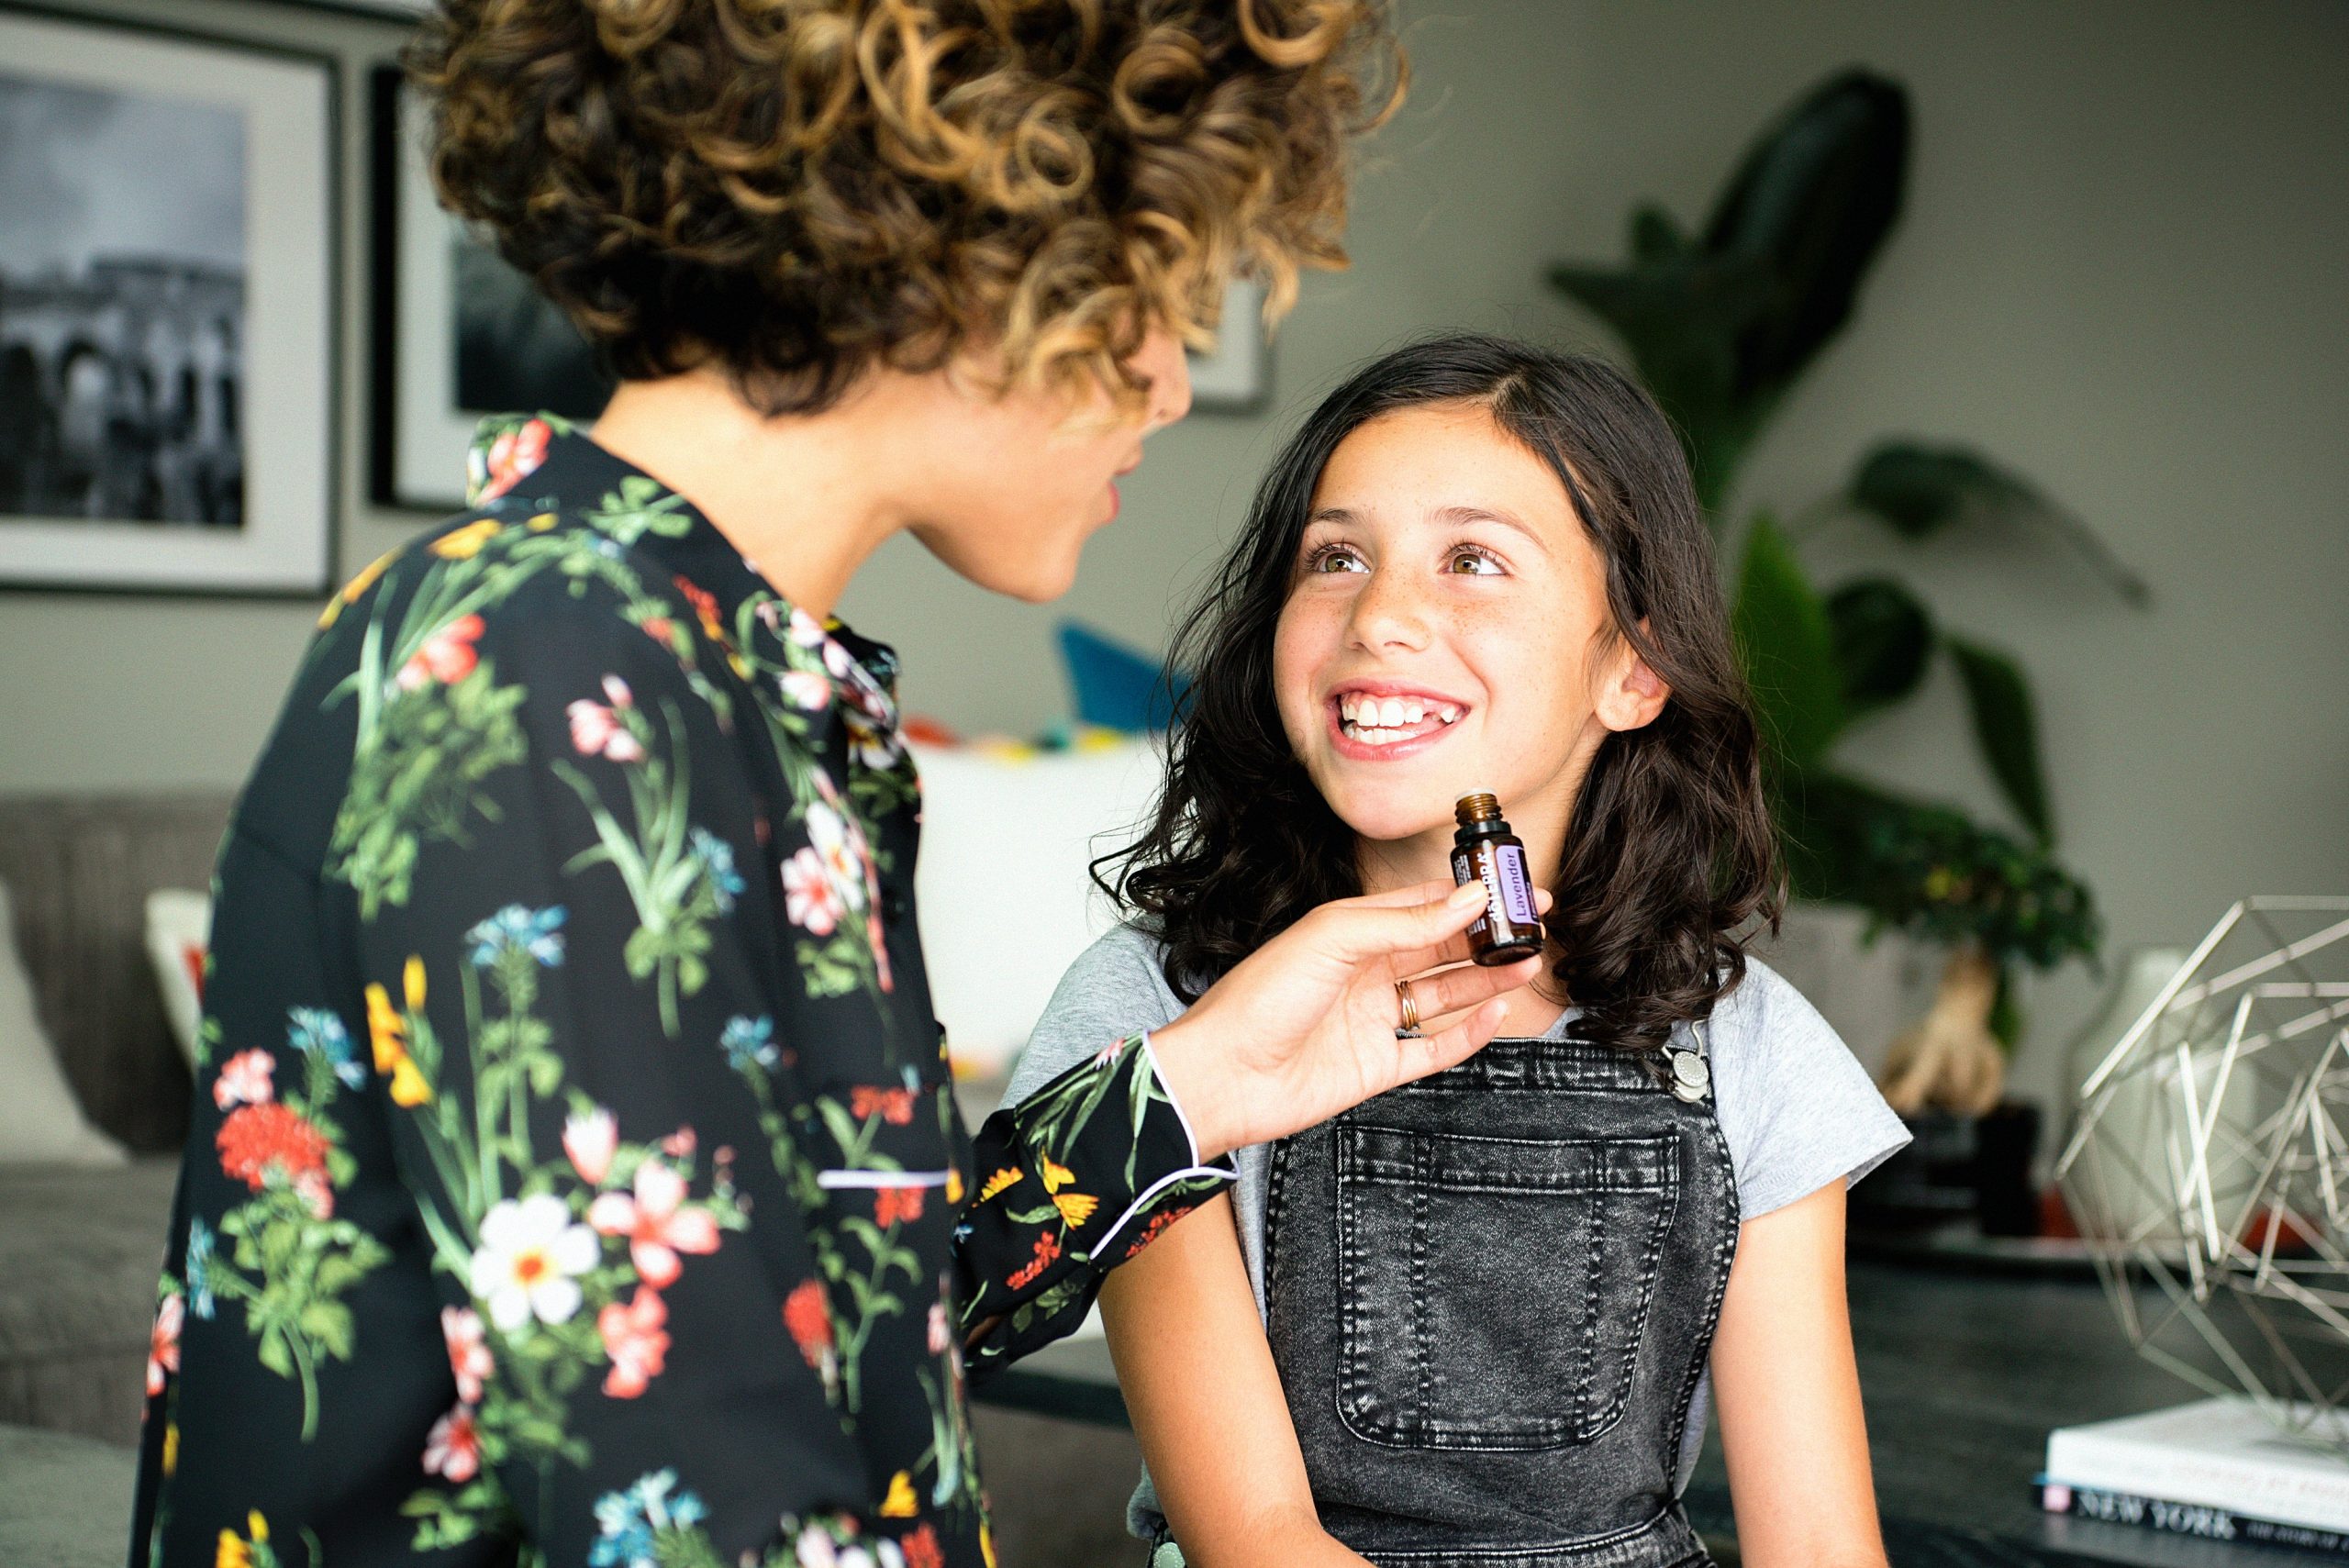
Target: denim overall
x: 1490, y: 1296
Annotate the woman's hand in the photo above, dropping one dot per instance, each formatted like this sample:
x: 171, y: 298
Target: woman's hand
x: 1304, y: 1028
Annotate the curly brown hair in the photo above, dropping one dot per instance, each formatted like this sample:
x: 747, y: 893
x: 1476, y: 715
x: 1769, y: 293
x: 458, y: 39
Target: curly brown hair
x: 800, y: 190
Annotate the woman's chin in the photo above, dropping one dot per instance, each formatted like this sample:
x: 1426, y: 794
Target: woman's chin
x: 1035, y: 572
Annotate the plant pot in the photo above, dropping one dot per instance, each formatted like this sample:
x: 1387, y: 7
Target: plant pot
x: 1957, y: 1169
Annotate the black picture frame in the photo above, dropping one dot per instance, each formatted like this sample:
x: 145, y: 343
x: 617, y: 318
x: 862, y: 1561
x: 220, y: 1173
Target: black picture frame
x: 455, y: 333
x: 158, y: 433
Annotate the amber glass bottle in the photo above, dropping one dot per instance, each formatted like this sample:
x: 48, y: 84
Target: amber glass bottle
x: 1485, y: 851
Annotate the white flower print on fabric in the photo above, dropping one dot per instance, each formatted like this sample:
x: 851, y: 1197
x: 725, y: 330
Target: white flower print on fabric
x: 529, y: 1256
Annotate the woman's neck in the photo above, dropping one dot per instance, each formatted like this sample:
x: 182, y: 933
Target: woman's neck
x: 806, y: 497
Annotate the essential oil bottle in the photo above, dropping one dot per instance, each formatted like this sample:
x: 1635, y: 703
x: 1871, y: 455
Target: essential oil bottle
x: 1485, y: 851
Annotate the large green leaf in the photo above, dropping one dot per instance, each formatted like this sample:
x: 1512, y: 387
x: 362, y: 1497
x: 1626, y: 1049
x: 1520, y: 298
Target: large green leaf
x: 1884, y: 636
x: 1918, y: 491
x: 1788, y: 651
x: 2006, y: 727
x: 1817, y: 195
x: 1721, y: 326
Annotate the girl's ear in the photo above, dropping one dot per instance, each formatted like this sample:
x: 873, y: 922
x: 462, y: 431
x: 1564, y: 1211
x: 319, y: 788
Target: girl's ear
x: 1629, y: 695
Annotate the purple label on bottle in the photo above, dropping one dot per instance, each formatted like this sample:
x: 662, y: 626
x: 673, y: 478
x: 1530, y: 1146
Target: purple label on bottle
x: 1514, y: 896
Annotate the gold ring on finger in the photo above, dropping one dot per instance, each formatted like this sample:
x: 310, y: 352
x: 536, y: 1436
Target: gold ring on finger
x: 1410, y: 1007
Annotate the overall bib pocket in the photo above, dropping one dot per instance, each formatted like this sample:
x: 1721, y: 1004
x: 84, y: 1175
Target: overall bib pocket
x: 1492, y: 1291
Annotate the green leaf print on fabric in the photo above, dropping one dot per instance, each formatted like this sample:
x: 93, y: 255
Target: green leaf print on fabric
x: 564, y: 1254
x: 679, y: 877
x: 282, y: 1256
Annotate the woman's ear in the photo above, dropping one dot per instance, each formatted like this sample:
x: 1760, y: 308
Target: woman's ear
x: 1631, y: 695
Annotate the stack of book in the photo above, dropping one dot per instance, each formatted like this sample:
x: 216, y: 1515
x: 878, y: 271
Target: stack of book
x: 2217, y: 1469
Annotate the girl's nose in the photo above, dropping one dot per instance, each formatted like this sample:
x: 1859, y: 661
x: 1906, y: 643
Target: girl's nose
x: 1388, y: 612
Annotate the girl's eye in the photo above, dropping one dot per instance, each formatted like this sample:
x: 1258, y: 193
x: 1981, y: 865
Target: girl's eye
x: 1334, y: 558
x: 1470, y: 561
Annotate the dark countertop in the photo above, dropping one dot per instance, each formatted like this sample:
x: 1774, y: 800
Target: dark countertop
x: 1963, y: 1374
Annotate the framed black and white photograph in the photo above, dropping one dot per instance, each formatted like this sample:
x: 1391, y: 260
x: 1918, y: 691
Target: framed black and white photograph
x: 1237, y: 377
x: 459, y: 333
x: 167, y: 220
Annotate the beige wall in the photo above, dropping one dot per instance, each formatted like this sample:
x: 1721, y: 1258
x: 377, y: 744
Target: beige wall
x: 2124, y: 270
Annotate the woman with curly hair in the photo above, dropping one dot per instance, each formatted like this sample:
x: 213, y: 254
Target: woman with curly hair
x: 576, y: 1176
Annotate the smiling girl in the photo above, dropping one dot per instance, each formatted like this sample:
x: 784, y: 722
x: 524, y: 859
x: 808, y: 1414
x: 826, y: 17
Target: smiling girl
x: 1482, y: 1313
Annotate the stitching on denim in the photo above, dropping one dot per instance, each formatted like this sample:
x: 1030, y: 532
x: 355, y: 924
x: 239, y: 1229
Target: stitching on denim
x: 1658, y: 1158
x: 1594, y: 1261
x: 1650, y: 1267
x: 1422, y: 1416
x: 1413, y: 1424
x: 1577, y: 1551
x: 1724, y: 1254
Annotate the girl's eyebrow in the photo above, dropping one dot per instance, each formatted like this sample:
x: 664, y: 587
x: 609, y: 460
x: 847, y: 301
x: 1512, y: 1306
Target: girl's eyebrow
x: 1456, y: 517
x: 1446, y: 516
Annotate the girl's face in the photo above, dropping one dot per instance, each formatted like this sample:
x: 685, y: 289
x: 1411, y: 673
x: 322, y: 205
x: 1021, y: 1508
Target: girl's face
x: 1010, y: 487
x: 1448, y: 631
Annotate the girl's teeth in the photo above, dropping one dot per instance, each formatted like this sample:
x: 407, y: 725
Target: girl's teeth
x: 1380, y: 721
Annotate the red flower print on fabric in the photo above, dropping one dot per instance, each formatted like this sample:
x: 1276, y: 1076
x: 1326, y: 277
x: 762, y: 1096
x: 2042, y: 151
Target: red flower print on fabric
x: 895, y: 1106
x: 636, y: 1339
x: 164, y: 1343
x: 513, y: 456
x: 1157, y: 1227
x: 599, y: 731
x: 656, y: 1223
x: 257, y: 1138
x: 921, y: 1549
x: 448, y: 656
x: 704, y: 604
x: 245, y: 1079
x: 809, y: 1321
x: 809, y: 899
x: 1048, y: 1251
x: 892, y: 1206
x: 453, y: 1446
x: 469, y: 1357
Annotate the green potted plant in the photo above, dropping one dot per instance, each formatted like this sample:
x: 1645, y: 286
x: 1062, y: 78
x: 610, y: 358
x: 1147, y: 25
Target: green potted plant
x: 1722, y: 323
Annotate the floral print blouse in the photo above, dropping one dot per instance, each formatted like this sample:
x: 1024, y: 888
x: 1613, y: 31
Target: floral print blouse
x: 575, y: 1177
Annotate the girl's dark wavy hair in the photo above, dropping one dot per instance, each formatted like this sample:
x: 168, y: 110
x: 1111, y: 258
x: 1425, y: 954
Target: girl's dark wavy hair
x: 1671, y: 849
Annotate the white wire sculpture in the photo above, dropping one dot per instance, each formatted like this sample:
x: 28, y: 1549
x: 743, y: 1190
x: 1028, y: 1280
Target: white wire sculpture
x: 2209, y: 1169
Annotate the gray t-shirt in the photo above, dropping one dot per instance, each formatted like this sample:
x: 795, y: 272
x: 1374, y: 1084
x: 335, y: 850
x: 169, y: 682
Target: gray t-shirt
x: 1796, y: 1109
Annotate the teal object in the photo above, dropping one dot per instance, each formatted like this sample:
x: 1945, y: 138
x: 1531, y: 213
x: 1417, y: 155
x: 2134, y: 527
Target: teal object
x: 1120, y: 687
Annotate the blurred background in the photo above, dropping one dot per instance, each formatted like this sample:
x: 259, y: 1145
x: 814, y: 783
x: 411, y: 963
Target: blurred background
x: 2038, y: 512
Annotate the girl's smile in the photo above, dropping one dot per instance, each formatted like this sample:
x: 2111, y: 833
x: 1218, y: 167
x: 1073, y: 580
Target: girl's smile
x: 1378, y: 721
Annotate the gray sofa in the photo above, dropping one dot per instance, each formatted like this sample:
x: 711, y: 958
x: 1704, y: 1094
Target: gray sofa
x: 78, y: 1250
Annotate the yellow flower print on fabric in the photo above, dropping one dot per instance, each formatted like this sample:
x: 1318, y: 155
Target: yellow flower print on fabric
x: 1057, y: 1176
x: 387, y: 1032
x: 250, y: 1550
x: 900, y: 1504
x: 356, y: 586
x: 466, y: 542
x: 1075, y: 1207
x: 1008, y: 1176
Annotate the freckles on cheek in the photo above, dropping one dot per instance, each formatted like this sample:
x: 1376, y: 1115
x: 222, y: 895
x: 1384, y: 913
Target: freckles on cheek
x: 1298, y: 651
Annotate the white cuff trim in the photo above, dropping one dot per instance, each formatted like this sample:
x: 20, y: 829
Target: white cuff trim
x: 1141, y: 1200
x: 1156, y: 1077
